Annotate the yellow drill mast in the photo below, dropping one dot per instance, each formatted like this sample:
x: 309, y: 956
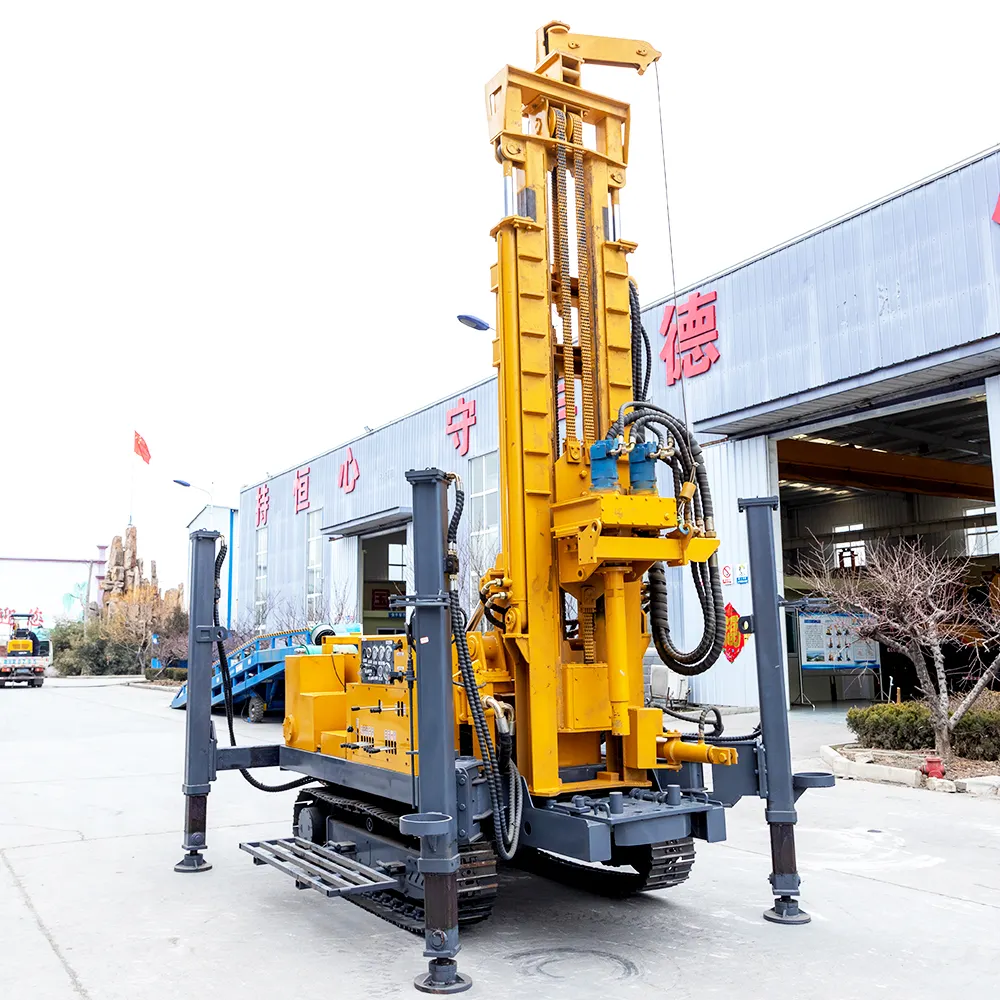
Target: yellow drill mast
x: 581, y: 518
x: 572, y: 522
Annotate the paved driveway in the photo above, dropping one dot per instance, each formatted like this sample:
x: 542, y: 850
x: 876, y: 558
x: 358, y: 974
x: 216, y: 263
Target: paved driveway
x: 903, y: 885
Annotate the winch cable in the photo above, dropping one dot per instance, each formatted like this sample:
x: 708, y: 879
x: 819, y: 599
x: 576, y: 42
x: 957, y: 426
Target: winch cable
x: 227, y: 686
x: 506, y: 824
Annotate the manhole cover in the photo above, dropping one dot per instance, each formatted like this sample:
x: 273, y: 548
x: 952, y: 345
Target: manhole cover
x: 575, y: 963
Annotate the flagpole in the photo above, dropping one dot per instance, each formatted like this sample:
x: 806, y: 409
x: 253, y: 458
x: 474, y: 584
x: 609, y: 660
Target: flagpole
x: 131, y: 490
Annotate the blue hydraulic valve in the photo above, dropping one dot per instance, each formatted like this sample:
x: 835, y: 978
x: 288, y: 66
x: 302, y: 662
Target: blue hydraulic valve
x: 604, y: 465
x: 642, y: 467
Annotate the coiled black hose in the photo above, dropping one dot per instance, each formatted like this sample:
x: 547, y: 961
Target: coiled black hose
x: 505, y: 837
x: 227, y: 687
x: 687, y: 465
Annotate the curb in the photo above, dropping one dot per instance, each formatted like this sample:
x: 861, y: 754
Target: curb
x: 988, y: 786
x: 846, y: 767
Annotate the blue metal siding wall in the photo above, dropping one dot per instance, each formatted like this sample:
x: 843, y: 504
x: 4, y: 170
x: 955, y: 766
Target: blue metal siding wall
x: 910, y: 276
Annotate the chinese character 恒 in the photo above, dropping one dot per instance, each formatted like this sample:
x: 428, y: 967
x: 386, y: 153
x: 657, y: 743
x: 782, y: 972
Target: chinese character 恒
x: 301, y: 490
x: 691, y: 334
x: 263, y: 504
x: 459, y: 421
x: 349, y: 473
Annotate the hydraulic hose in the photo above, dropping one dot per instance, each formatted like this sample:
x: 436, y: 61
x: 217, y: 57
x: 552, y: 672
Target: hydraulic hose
x: 227, y: 687
x: 686, y: 461
x: 717, y: 724
x: 640, y: 373
x: 506, y: 816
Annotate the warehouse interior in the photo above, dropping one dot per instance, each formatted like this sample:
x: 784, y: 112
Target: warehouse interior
x: 922, y: 472
x: 383, y: 574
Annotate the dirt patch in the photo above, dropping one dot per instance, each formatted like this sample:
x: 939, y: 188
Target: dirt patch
x: 960, y: 767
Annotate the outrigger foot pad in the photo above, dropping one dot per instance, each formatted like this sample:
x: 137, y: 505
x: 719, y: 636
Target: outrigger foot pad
x: 786, y: 911
x: 442, y: 977
x: 192, y: 862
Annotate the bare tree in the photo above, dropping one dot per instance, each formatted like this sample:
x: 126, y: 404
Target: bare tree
x: 476, y: 557
x: 343, y: 603
x: 132, y: 619
x: 915, y: 601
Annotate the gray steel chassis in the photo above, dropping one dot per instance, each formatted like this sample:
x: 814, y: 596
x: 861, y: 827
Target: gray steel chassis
x: 583, y: 827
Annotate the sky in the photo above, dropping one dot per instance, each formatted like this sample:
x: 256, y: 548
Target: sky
x: 244, y: 229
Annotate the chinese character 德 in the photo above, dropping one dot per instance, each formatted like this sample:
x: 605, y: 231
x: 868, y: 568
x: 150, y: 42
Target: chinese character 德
x: 458, y: 423
x: 301, y: 490
x: 691, y: 334
x: 263, y: 504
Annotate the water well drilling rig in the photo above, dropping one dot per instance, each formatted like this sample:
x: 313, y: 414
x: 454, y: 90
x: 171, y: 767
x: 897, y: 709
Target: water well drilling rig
x: 432, y: 754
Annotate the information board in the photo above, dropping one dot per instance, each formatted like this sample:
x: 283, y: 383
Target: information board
x: 830, y: 642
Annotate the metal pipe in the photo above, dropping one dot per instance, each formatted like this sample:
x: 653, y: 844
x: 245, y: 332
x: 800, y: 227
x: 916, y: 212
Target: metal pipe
x: 780, y: 812
x: 199, y: 733
x: 435, y: 824
x: 617, y: 646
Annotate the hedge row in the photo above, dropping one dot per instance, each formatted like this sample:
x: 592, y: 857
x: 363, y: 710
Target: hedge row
x: 908, y: 727
x: 167, y: 674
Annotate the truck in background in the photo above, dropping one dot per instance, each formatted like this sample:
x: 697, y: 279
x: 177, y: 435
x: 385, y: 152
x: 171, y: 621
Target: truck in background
x: 27, y: 656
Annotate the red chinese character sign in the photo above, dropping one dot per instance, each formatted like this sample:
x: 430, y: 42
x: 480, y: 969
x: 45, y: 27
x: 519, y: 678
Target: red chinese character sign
x: 561, y: 400
x: 349, y: 473
x: 458, y: 423
x: 300, y: 491
x: 7, y: 618
x: 691, y: 334
x: 263, y: 504
x: 735, y: 639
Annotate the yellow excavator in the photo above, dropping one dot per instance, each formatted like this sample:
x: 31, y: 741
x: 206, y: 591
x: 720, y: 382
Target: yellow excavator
x: 433, y: 755
x: 25, y: 659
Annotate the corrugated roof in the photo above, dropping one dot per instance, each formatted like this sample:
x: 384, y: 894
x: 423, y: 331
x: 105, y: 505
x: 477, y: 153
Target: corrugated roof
x: 854, y: 213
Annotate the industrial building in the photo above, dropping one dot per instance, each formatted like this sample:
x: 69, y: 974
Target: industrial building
x: 854, y: 371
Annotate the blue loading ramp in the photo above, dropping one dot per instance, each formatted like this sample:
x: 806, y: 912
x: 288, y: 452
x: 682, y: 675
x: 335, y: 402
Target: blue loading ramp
x: 257, y: 667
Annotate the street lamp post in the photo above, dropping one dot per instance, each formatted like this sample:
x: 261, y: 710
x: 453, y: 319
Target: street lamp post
x: 474, y: 322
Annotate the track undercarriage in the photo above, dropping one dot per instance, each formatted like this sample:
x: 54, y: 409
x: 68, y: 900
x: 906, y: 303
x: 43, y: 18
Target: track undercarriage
x: 368, y: 831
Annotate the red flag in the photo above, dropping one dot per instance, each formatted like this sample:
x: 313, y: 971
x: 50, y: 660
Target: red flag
x: 141, y: 448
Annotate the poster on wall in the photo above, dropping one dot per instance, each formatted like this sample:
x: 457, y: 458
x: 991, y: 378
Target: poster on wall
x: 830, y: 642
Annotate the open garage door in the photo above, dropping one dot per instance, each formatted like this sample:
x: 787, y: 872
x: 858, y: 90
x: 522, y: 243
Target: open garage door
x: 923, y: 472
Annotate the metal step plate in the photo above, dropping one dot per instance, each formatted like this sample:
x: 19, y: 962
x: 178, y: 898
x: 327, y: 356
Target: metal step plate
x: 319, y: 868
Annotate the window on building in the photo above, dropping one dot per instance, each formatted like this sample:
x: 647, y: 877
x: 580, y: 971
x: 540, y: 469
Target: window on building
x: 981, y: 541
x: 260, y: 580
x: 397, y: 561
x: 848, y: 554
x: 484, y: 517
x: 315, y: 611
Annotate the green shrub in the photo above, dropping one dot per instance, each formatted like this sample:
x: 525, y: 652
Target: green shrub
x: 892, y: 727
x: 977, y: 736
x: 166, y: 674
x: 73, y: 655
x: 908, y: 727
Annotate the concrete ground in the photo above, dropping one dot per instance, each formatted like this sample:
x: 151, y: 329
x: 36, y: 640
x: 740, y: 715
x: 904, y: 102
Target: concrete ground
x: 903, y: 885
